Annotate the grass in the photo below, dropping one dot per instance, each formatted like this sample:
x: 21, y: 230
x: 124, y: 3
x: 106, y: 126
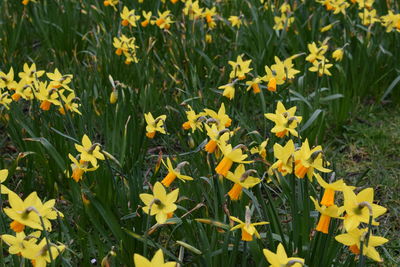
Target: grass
x: 366, y: 154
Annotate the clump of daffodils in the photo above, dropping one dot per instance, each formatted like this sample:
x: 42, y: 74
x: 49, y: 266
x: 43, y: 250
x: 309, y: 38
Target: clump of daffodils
x: 28, y: 215
x: 53, y: 91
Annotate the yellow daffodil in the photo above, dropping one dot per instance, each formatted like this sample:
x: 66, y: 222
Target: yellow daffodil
x: 3, y: 177
x: 221, y: 118
x: 235, y: 21
x: 338, y: 54
x: 284, y: 156
x: 229, y: 90
x: 260, y: 149
x: 79, y: 168
x: 194, y: 121
x: 5, y: 99
x: 274, y: 77
x: 231, y: 155
x: 321, y: 67
x: 239, y: 68
x: 242, y: 179
x: 174, y: 173
x: 163, y: 21
x: 285, y: 120
x: 24, y: 90
x: 160, y: 203
x: 20, y: 243
x: 307, y: 160
x: 154, y: 125
x: 48, y: 95
x: 111, y: 3
x: 327, y: 213
x: 26, y: 212
x: 129, y: 17
x: 58, y: 80
x: 216, y: 137
x: 316, y: 53
x: 89, y: 152
x: 368, y: 17
x: 192, y: 9
x: 209, y: 15
x: 254, y: 84
x: 7, y: 80
x: 147, y: 18
x: 360, y: 207
x: 328, y: 199
x: 354, y: 238
x: 280, y: 258
x: 30, y: 74
x: 40, y: 253
x: 282, y: 22
x: 69, y: 104
x: 285, y: 67
x: 26, y: 2
x: 156, y: 261
x: 248, y: 228
x: 391, y: 21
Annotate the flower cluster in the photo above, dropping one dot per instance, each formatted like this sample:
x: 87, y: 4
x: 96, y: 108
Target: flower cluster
x: 55, y: 91
x: 30, y: 213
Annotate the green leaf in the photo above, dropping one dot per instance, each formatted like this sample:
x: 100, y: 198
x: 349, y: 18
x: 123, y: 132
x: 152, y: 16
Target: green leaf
x: 51, y: 149
x: 390, y: 88
x: 313, y: 117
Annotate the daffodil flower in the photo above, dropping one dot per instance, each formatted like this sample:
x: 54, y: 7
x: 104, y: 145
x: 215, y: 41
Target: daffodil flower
x: 327, y: 213
x: 154, y: 125
x: 7, y: 80
x: 321, y: 67
x: 261, y: 149
x: 160, y: 203
x: 59, y: 80
x: 174, y: 173
x: 285, y: 157
x: 3, y: 177
x: 254, y: 84
x: 354, y: 238
x: 229, y: 90
x: 231, y: 155
x: 221, y: 118
x: 26, y: 212
x: 235, y: 21
x: 216, y: 137
x: 129, y: 17
x: 80, y: 167
x: 285, y: 120
x: 242, y: 179
x: 338, y: 54
x: 40, y: 253
x: 316, y: 53
x: 20, y: 243
x: 248, y: 228
x: 328, y: 199
x: 280, y: 258
x: 194, y: 121
x: 156, y: 261
x: 360, y: 207
x: 30, y: 74
x: 307, y: 160
x: 147, y: 18
x: 240, y: 68
x: 89, y: 152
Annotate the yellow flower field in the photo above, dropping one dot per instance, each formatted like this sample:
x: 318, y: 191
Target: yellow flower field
x: 190, y: 133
